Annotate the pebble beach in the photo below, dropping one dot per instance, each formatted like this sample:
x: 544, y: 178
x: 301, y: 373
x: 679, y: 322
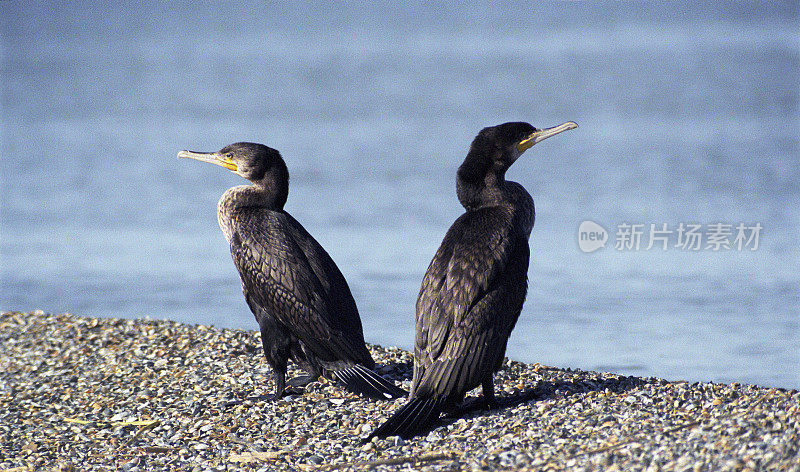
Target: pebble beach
x: 99, y: 394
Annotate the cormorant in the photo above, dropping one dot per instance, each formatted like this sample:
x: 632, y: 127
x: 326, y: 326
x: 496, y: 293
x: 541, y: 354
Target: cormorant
x: 474, y: 288
x: 302, y: 303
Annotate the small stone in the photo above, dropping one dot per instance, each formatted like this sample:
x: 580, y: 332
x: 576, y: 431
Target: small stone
x: 130, y: 465
x: 433, y: 436
x: 67, y: 466
x: 30, y: 448
x: 508, y: 458
x: 396, y: 441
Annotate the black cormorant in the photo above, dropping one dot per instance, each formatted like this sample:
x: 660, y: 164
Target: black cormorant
x: 474, y: 288
x: 302, y: 303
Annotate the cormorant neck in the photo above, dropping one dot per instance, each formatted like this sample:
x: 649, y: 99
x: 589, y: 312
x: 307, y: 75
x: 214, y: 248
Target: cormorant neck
x: 268, y: 191
x: 258, y: 195
x: 274, y: 185
x: 270, y: 187
x: 238, y: 200
x: 479, y: 181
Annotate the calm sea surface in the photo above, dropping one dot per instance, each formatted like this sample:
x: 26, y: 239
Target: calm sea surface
x: 688, y: 115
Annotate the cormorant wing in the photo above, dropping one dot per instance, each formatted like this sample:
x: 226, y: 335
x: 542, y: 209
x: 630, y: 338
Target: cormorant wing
x: 286, y: 274
x: 470, y: 298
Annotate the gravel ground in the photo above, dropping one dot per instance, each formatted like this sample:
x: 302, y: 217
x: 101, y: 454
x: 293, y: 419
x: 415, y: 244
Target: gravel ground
x: 132, y: 395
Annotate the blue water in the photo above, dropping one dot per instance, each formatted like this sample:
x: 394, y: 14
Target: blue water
x: 688, y: 114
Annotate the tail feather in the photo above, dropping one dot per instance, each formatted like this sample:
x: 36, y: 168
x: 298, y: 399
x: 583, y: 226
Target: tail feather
x: 416, y: 417
x: 363, y: 381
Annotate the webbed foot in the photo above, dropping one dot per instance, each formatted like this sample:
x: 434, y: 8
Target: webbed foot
x: 302, y: 380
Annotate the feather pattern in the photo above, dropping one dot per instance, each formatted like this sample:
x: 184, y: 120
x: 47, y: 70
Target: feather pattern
x: 274, y: 255
x: 466, y: 323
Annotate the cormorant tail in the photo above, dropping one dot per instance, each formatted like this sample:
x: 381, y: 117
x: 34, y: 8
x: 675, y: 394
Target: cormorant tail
x: 412, y: 419
x: 363, y: 381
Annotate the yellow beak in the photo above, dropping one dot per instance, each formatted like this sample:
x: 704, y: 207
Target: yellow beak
x: 542, y: 134
x: 211, y: 158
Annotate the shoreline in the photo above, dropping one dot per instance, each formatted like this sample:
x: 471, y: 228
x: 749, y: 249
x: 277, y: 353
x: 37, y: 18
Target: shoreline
x: 79, y: 393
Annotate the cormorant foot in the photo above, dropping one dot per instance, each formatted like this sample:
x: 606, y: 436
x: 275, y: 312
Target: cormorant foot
x: 490, y: 403
x: 472, y: 404
x: 302, y: 380
x: 293, y: 391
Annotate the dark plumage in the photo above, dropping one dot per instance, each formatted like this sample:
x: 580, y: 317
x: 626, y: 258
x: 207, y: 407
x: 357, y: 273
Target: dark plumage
x: 474, y: 288
x: 302, y: 303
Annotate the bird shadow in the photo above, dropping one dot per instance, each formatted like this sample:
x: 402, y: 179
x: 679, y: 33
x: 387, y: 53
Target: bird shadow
x: 392, y: 371
x: 399, y: 371
x: 543, y: 390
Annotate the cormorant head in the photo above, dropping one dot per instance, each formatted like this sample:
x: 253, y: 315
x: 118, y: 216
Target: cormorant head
x: 497, y: 147
x: 261, y: 165
x: 493, y: 151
